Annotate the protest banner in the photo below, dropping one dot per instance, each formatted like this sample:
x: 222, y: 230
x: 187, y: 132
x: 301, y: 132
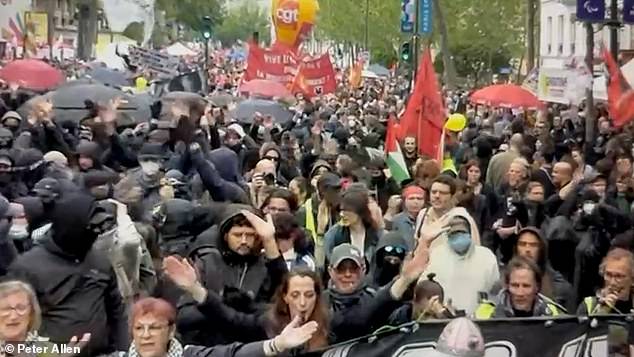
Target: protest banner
x: 162, y: 64
x: 543, y: 337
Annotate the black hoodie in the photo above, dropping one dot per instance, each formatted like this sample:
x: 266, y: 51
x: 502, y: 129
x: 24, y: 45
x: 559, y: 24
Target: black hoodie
x: 75, y: 286
x: 242, y: 281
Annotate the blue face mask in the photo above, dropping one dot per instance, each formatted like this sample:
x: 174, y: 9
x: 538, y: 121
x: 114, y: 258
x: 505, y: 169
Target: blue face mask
x: 460, y: 242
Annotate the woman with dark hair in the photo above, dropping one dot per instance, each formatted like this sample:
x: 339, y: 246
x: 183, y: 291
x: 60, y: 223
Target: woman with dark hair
x: 153, y: 327
x: 279, y: 200
x: 356, y: 226
x: 292, y: 242
x: 298, y: 300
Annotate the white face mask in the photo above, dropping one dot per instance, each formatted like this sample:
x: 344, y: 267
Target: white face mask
x: 150, y: 168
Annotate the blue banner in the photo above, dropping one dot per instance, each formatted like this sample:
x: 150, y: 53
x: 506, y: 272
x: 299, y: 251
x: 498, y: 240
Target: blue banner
x: 407, y: 16
x: 425, y: 11
x: 591, y: 10
x: 628, y: 11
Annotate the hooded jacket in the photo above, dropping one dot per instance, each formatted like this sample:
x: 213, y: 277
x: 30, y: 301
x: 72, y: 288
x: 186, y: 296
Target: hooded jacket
x: 220, y: 188
x: 554, y: 285
x: 98, y: 174
x: 75, y: 285
x: 242, y: 281
x: 463, y: 277
x: 382, y: 273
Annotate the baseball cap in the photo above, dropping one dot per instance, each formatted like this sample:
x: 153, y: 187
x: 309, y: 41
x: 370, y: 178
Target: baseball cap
x: 460, y: 338
x: 56, y: 157
x: 47, y: 186
x: 329, y: 180
x: 459, y: 224
x: 346, y: 251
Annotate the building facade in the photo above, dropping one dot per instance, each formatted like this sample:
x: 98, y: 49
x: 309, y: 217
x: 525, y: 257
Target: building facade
x: 562, y: 38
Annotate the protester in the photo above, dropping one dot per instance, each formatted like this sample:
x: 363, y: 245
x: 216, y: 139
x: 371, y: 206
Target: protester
x: 153, y: 329
x: 520, y: 297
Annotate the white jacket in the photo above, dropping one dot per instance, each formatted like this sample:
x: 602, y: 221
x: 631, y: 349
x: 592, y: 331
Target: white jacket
x: 462, y: 278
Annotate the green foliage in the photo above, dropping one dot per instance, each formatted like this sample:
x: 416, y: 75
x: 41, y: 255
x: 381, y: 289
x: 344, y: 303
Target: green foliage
x: 476, y: 30
x: 344, y: 21
x: 191, y: 12
x: 241, y: 22
x: 135, y: 31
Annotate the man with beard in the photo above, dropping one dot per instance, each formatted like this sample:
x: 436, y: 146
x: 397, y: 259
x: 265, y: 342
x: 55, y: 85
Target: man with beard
x: 409, y: 152
x: 233, y: 265
x: 65, y: 261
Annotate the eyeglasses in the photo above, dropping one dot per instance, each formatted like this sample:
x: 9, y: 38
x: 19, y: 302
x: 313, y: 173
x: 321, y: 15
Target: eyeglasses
x: 20, y: 309
x: 152, y: 330
x: 614, y: 276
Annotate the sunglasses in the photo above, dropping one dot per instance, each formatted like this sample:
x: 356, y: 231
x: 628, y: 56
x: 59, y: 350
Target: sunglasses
x: 272, y: 158
x: 394, y: 250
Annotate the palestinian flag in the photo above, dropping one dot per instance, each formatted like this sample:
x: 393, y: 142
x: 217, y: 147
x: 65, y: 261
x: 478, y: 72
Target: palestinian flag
x: 395, y: 160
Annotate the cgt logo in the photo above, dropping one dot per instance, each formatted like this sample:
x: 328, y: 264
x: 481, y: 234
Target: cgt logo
x: 288, y: 14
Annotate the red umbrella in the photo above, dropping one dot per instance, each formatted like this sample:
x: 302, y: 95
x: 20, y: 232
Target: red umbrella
x: 32, y: 74
x: 506, y: 95
x: 265, y: 88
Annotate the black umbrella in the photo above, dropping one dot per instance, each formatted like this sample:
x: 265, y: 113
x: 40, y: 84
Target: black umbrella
x: 69, y: 103
x: 109, y: 77
x: 245, y: 111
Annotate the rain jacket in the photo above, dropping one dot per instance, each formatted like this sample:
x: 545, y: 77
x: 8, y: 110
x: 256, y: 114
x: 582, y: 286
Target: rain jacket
x: 463, y: 277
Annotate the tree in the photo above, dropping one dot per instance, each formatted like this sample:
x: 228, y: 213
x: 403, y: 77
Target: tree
x: 191, y: 12
x: 343, y: 21
x: 134, y: 30
x: 240, y: 24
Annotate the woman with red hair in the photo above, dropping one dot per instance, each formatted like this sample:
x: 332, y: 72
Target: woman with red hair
x: 152, y: 325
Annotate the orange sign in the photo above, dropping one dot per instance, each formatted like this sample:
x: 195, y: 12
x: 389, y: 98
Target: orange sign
x: 293, y: 20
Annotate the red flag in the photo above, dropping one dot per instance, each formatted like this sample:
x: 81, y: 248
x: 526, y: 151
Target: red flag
x: 315, y: 76
x: 424, y: 115
x: 620, y: 94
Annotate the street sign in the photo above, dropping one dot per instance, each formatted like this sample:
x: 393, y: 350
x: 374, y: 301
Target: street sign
x: 628, y: 11
x: 591, y: 10
x: 425, y: 11
x: 408, y: 15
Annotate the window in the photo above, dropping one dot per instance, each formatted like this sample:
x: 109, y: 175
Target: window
x: 573, y: 37
x: 560, y: 34
x: 549, y: 33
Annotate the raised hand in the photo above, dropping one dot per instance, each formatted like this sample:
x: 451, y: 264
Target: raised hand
x: 76, y: 343
x: 264, y: 228
x: 295, y: 335
x: 180, y: 272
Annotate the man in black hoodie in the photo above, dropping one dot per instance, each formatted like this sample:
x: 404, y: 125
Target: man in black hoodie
x: 75, y: 285
x: 230, y: 263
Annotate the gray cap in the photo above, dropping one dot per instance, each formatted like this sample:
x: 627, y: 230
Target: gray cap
x: 346, y: 251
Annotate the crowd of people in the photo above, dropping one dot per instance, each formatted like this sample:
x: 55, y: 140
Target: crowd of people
x: 191, y: 234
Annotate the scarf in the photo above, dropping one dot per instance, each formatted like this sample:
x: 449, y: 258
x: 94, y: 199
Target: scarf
x: 175, y: 349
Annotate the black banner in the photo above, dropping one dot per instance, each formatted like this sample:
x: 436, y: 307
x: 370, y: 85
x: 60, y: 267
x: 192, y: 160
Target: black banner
x: 193, y: 82
x: 536, y: 337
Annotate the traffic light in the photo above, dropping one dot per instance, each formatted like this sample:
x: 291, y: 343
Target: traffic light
x: 206, y: 28
x: 406, y: 52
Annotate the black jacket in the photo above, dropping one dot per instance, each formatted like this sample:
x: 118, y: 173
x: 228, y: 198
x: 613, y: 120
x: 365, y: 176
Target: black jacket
x: 244, y: 282
x: 75, y: 296
x: 75, y: 285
